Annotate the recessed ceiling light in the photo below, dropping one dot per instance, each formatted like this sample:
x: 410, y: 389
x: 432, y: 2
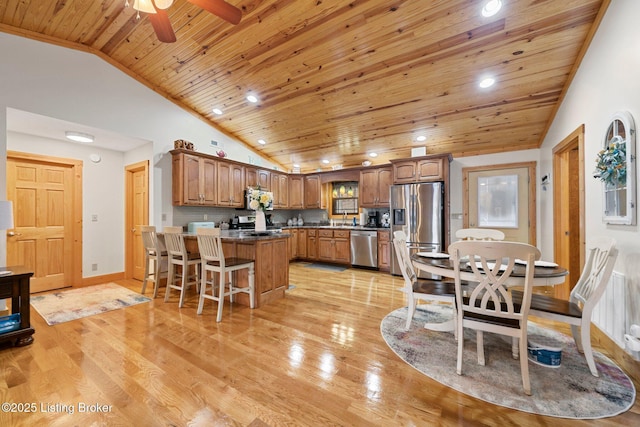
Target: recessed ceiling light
x: 262, y: 141
x: 79, y: 136
x: 325, y: 161
x: 252, y: 98
x: 372, y: 154
x: 487, y: 82
x: 421, y: 138
x: 491, y: 8
x: 295, y: 165
x: 217, y: 111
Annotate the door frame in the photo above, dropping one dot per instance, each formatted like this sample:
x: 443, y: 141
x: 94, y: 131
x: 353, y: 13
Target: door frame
x: 575, y: 140
x: 75, y: 234
x: 129, y: 225
x: 531, y: 166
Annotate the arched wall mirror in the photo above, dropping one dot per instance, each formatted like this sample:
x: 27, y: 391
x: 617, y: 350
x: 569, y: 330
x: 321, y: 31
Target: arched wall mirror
x: 615, y: 167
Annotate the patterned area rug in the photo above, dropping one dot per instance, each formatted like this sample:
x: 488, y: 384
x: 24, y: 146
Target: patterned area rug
x: 63, y: 306
x: 568, y: 391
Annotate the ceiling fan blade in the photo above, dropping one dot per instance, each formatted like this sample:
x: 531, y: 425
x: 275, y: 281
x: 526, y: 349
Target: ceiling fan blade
x: 162, y: 26
x: 221, y: 9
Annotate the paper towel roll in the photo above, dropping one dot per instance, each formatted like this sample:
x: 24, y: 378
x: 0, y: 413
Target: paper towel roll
x: 363, y: 219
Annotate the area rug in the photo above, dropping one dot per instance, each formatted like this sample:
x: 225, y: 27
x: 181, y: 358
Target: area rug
x: 63, y: 306
x: 327, y: 267
x: 568, y: 391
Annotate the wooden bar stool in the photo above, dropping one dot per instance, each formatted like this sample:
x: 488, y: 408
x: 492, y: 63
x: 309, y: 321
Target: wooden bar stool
x: 154, y: 251
x: 179, y: 257
x: 213, y: 260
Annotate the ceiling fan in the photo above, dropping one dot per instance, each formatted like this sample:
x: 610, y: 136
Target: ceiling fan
x: 160, y: 18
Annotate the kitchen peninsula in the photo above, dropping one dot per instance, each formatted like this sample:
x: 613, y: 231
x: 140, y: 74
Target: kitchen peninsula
x: 267, y: 249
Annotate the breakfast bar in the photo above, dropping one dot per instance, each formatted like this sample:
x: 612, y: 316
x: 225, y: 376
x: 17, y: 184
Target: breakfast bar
x: 269, y: 252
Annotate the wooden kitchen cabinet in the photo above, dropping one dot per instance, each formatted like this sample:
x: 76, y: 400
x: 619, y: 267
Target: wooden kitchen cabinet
x: 296, y: 192
x: 230, y: 184
x: 280, y: 190
x: 421, y: 169
x: 374, y: 187
x: 193, y: 180
x: 302, y: 243
x: 384, y: 250
x: 312, y: 244
x: 292, y: 242
x: 312, y: 192
x: 255, y: 178
x: 334, y: 246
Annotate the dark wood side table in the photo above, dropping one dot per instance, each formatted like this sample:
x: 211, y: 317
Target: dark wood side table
x: 16, y: 287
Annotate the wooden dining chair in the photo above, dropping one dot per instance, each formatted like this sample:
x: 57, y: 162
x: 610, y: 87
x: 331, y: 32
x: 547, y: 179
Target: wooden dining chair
x: 418, y: 289
x: 180, y: 263
x: 213, y: 261
x: 584, y: 296
x: 489, y: 306
x: 479, y: 234
x: 154, y: 254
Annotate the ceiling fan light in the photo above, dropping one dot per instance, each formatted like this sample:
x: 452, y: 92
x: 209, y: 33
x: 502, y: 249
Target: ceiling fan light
x: 145, y: 6
x: 163, y: 4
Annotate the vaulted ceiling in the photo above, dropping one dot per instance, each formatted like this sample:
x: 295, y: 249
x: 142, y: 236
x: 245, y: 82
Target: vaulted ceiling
x: 337, y: 80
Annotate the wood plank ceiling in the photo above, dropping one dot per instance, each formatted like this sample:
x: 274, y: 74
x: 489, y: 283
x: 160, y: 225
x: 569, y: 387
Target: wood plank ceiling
x: 339, y: 79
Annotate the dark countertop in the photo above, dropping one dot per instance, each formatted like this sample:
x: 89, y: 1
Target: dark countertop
x: 337, y: 227
x: 247, y: 235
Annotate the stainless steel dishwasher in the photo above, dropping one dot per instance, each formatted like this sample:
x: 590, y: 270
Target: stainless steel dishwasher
x: 364, y: 248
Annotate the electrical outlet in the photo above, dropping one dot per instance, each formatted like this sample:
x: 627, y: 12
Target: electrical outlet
x: 205, y: 216
x: 164, y: 216
x: 94, y: 218
x: 94, y: 267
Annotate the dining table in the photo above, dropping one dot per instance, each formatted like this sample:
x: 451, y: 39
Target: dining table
x: 545, y: 274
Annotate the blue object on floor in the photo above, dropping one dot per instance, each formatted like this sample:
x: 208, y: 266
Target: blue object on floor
x: 9, y: 323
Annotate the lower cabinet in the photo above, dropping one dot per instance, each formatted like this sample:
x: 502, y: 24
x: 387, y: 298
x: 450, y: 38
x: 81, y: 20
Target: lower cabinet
x: 384, y: 251
x: 312, y: 244
x: 334, y: 246
x: 302, y: 243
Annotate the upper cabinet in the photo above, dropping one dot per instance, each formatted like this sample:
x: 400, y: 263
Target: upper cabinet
x: 312, y: 192
x: 421, y: 169
x: 280, y: 190
x: 374, y: 187
x: 296, y: 191
x: 230, y: 184
x: 255, y: 177
x: 194, y: 180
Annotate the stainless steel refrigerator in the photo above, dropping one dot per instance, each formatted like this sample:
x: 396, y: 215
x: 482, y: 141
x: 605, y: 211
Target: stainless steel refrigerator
x: 418, y: 210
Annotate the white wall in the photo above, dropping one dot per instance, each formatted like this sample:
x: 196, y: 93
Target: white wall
x: 81, y: 88
x: 607, y: 81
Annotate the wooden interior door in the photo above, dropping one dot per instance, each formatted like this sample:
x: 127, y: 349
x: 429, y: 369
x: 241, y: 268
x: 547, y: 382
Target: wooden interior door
x: 44, y: 203
x: 137, y: 214
x: 568, y: 209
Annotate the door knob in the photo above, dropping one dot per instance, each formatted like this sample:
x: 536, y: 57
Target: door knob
x: 11, y: 234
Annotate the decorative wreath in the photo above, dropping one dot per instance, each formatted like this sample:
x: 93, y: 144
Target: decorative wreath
x: 611, y: 163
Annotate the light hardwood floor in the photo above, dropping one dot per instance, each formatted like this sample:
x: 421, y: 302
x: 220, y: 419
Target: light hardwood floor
x: 314, y: 358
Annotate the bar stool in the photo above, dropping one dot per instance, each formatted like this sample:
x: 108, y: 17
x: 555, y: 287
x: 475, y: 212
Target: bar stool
x: 213, y: 260
x: 154, y: 251
x: 179, y: 257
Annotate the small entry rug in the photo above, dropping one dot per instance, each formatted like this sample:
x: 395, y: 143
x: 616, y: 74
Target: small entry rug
x: 327, y: 267
x: 63, y: 306
x: 569, y: 391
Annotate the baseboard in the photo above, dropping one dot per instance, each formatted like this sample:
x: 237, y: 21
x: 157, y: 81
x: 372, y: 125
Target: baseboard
x: 98, y: 280
x: 628, y: 364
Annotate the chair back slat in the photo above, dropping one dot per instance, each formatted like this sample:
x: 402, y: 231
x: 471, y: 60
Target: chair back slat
x: 175, y: 242
x: 492, y: 264
x: 596, y: 273
x: 210, y: 245
x: 149, y: 238
x: 404, y: 262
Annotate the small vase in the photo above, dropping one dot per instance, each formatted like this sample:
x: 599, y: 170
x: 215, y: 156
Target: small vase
x: 261, y: 222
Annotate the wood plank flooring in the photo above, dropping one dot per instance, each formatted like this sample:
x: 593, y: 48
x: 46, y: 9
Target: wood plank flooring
x: 314, y: 358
